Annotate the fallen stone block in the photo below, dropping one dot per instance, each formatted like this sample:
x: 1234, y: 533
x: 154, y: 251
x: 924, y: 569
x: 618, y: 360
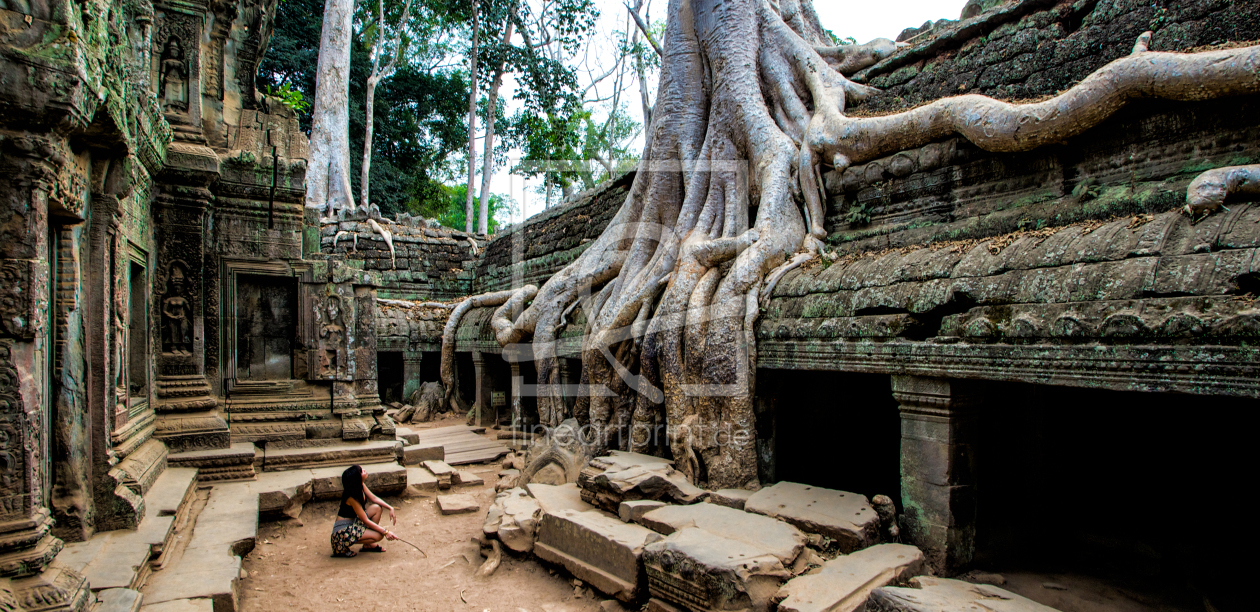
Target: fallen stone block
x: 513, y: 519
x: 731, y: 498
x: 421, y: 479
x: 930, y: 594
x: 596, y: 548
x: 697, y: 570
x: 444, y: 473
x: 845, y: 583
x: 381, y: 478
x: 847, y: 518
x: 768, y: 535
x: 464, y: 478
x: 508, y: 479
x: 457, y: 503
x: 632, y: 511
x: 407, y: 436
x: 419, y: 453
x: 620, y: 476
x: 656, y: 605
x: 554, y: 498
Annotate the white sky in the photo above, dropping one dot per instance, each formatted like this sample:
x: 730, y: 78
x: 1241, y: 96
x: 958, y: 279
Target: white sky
x: 862, y: 19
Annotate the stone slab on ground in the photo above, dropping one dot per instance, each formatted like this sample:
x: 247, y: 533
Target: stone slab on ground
x: 621, y: 476
x: 697, y: 570
x: 731, y: 498
x: 416, y: 454
x: 181, y: 605
x: 284, y: 492
x: 554, y: 498
x: 463, y: 445
x: 445, y: 473
x: 118, y: 600
x: 596, y: 548
x: 421, y: 479
x: 464, y: 478
x: 457, y: 503
x: 350, y: 453
x: 407, y: 436
x: 632, y: 511
x: 656, y: 605
x: 210, y: 566
x: 235, y: 462
x: 930, y: 594
x: 772, y: 536
x: 845, y: 583
x: 847, y: 518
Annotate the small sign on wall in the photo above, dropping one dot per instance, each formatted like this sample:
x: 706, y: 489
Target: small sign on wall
x: 498, y: 398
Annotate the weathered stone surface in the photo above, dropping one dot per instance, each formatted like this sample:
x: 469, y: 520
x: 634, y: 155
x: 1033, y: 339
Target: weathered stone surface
x: 513, y: 518
x: 731, y: 498
x: 381, y: 478
x: 931, y: 594
x: 464, y: 478
x: 421, y: 479
x: 844, y: 583
x: 633, y: 511
x: 419, y: 453
x: 620, y: 476
x: 555, y: 498
x: 698, y: 570
x: 277, y: 459
x: 407, y: 436
x: 219, y: 465
x: 457, y: 503
x: 598, y: 549
x: 118, y: 600
x: 767, y: 534
x: 847, y: 518
x: 181, y: 605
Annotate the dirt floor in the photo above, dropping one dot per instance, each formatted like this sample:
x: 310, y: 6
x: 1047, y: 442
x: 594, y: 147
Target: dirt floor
x: 291, y: 569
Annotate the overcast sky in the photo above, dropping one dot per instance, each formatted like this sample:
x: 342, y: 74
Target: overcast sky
x: 861, y: 19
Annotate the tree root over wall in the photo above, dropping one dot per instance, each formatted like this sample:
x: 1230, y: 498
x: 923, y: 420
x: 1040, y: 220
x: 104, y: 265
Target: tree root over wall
x: 728, y: 199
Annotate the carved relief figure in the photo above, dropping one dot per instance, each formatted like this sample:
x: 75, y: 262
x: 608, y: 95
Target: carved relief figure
x: 332, y: 339
x: 176, y: 314
x: 173, y: 87
x: 12, y: 466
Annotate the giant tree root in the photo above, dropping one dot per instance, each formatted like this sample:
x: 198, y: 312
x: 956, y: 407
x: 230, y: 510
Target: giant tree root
x: 1208, y: 191
x: 448, y: 372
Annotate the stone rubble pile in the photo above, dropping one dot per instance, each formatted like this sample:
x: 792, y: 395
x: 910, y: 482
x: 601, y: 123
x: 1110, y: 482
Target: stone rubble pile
x: 635, y: 530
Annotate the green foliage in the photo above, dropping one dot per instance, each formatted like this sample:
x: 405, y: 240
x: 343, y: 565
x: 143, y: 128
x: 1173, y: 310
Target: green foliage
x: 858, y: 214
x: 447, y: 206
x: 290, y: 97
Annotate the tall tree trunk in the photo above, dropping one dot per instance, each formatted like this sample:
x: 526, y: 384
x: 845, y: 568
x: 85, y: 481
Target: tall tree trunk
x: 378, y: 73
x: 487, y: 149
x: 645, y: 96
x: 328, y: 170
x: 472, y: 124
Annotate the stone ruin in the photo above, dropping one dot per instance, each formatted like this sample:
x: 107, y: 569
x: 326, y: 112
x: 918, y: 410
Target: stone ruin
x: 171, y: 314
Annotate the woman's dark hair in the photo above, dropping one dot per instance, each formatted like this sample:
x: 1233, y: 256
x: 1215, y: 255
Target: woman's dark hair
x: 352, y: 485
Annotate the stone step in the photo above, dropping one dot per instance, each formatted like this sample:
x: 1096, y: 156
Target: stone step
x: 219, y: 465
x: 345, y: 454
x: 846, y: 582
x: 122, y: 559
x: 847, y: 518
x: 117, y: 600
x: 208, y: 565
x: 418, y: 453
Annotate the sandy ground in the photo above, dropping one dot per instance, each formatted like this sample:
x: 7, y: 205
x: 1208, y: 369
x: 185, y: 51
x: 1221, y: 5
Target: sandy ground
x: 292, y: 569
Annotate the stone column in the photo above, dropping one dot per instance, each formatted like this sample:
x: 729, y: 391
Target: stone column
x: 938, y: 482
x: 517, y: 418
x: 482, y: 377
x: 187, y: 415
x: 411, y: 373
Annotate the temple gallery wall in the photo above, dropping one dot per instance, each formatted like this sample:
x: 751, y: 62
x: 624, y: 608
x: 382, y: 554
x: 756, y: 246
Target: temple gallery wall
x: 995, y: 336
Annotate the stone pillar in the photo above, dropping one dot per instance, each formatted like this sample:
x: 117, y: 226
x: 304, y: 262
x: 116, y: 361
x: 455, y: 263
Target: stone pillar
x: 938, y: 482
x: 187, y: 418
x: 411, y: 373
x: 482, y: 377
x: 517, y: 418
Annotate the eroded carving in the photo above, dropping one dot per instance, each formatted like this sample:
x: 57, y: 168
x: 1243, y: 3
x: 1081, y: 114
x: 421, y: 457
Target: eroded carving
x: 177, y: 312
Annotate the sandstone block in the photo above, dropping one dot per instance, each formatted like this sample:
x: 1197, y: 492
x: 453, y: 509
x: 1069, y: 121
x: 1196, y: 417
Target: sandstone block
x: 467, y: 479
x: 596, y: 548
x: 554, y: 498
x: 419, y: 453
x: 697, y: 570
x: 632, y: 511
x: 930, y: 594
x: 845, y: 583
x: 847, y: 518
x: 731, y: 498
x: 620, y: 476
x: 457, y: 504
x: 780, y: 539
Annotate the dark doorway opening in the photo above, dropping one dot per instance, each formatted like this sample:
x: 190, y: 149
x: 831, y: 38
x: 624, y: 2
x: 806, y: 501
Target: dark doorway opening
x: 266, y: 327
x: 1132, y: 488
x: 389, y: 371
x: 835, y: 430
x: 431, y: 367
